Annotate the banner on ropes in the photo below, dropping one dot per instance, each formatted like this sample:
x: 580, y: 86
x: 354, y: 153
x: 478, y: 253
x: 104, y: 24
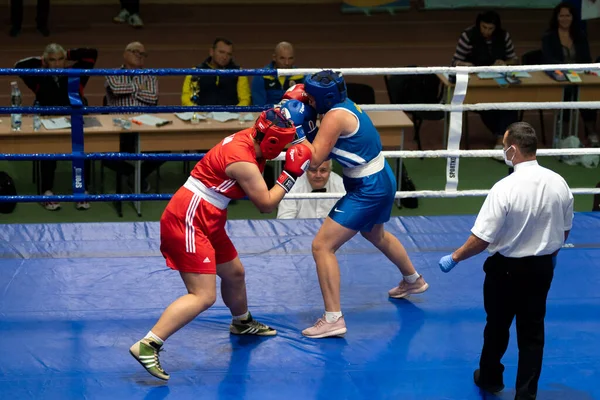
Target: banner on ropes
x: 455, y: 131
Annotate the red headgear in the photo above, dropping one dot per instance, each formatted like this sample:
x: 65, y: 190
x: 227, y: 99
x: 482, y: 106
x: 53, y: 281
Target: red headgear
x: 296, y: 92
x: 273, y: 132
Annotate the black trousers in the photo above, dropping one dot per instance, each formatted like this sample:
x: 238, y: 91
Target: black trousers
x: 16, y: 13
x: 127, y: 145
x: 498, y: 120
x: 515, y: 287
x: 48, y: 170
x: 133, y: 6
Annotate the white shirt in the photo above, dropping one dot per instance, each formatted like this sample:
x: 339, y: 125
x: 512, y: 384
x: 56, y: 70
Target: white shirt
x: 526, y: 213
x: 310, y: 208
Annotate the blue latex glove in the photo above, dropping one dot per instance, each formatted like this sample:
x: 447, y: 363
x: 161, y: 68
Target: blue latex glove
x: 554, y: 262
x: 447, y: 263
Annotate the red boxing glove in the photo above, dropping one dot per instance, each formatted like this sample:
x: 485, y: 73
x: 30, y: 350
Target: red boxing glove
x: 297, y: 161
x: 296, y: 92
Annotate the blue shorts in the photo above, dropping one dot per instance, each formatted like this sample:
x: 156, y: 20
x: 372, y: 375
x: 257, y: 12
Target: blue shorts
x: 368, y: 201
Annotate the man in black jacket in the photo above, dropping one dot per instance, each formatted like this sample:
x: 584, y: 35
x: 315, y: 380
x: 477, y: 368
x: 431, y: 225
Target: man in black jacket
x: 53, y: 91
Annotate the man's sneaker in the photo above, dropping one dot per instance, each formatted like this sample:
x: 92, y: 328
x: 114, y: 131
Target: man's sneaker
x: 251, y: 326
x: 323, y: 329
x: 135, y: 21
x: 121, y: 17
x: 146, y: 352
x: 404, y: 288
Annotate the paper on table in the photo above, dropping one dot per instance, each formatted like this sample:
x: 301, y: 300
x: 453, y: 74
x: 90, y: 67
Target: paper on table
x: 187, y: 116
x: 149, y: 119
x: 56, y: 123
x: 248, y: 117
x: 489, y: 75
x: 223, y: 116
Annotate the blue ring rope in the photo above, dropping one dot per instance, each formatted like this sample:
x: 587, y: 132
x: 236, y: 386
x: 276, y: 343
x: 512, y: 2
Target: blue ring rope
x: 77, y: 110
x: 71, y: 72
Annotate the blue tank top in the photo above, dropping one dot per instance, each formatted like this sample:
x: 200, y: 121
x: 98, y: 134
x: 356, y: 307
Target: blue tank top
x: 360, y: 147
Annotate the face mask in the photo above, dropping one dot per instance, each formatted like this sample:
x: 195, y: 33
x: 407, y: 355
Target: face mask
x: 506, y: 160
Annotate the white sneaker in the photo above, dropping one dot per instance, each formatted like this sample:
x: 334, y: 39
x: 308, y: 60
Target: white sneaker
x: 121, y: 17
x: 135, y: 21
x: 50, y: 205
x: 83, y: 205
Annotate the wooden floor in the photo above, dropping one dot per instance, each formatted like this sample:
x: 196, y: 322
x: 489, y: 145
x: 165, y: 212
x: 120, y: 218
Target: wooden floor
x: 179, y: 36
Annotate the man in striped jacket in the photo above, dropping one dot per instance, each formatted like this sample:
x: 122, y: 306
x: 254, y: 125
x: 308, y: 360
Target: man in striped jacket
x: 124, y: 91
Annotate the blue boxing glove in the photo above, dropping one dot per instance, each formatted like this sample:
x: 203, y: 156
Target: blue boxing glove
x: 447, y: 263
x: 304, y: 118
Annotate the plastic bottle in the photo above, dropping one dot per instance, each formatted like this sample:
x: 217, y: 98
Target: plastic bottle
x: 37, y: 121
x: 15, y: 101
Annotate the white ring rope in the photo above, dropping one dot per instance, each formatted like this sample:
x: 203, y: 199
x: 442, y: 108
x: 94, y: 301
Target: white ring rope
x: 457, y: 106
x: 442, y: 70
x: 541, y: 105
x: 421, y: 194
x: 474, y: 153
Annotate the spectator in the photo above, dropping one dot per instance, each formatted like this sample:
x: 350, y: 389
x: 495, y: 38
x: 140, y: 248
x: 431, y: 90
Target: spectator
x: 565, y: 42
x: 53, y: 91
x: 317, y: 180
x: 269, y: 89
x: 16, y: 17
x: 223, y: 90
x: 130, y: 12
x: 486, y: 43
x: 141, y: 90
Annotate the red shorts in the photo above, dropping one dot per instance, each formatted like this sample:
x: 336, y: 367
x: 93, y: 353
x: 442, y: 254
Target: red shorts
x: 193, y: 236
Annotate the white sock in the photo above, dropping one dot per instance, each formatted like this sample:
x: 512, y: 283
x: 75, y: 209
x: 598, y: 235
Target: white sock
x: 412, y: 278
x: 242, y: 317
x: 332, y: 316
x: 151, y: 335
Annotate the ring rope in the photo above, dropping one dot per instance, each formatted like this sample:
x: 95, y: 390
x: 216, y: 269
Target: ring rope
x: 77, y: 109
x: 281, y: 156
x: 289, y: 196
x: 296, y: 71
x: 542, y: 105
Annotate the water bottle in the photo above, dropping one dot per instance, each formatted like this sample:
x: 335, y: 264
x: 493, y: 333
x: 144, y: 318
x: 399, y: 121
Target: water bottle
x: 15, y: 101
x: 37, y: 121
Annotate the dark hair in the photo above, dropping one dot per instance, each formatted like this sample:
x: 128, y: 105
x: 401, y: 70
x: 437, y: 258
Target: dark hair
x: 489, y: 17
x: 221, y: 39
x: 522, y: 135
x: 574, y: 29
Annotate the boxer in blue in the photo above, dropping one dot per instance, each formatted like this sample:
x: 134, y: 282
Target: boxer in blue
x: 347, y: 135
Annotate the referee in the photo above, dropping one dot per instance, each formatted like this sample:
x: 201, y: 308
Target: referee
x: 523, y: 223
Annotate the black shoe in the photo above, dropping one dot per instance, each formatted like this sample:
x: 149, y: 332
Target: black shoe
x: 44, y: 31
x: 14, y: 31
x: 488, y: 388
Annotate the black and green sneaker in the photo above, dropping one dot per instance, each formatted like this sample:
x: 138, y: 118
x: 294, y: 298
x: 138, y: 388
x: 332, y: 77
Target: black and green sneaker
x: 146, y: 353
x: 251, y: 327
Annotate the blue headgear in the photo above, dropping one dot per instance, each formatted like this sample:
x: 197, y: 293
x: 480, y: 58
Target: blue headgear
x: 328, y: 88
x: 304, y: 118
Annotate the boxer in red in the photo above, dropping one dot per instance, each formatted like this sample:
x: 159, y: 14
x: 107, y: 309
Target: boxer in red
x: 193, y: 239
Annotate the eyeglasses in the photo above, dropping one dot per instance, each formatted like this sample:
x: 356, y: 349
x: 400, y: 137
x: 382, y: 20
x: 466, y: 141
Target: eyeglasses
x: 138, y: 53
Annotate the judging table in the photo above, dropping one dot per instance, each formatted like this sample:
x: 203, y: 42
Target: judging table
x: 538, y: 88
x: 177, y: 136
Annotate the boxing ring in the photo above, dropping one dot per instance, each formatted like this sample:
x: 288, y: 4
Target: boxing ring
x: 75, y: 296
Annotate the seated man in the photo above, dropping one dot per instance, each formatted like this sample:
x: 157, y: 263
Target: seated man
x: 269, y: 89
x: 217, y: 90
x: 127, y: 91
x: 53, y: 91
x: 319, y: 179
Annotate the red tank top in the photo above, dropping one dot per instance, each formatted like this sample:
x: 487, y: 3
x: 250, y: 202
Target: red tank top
x: 211, y: 169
